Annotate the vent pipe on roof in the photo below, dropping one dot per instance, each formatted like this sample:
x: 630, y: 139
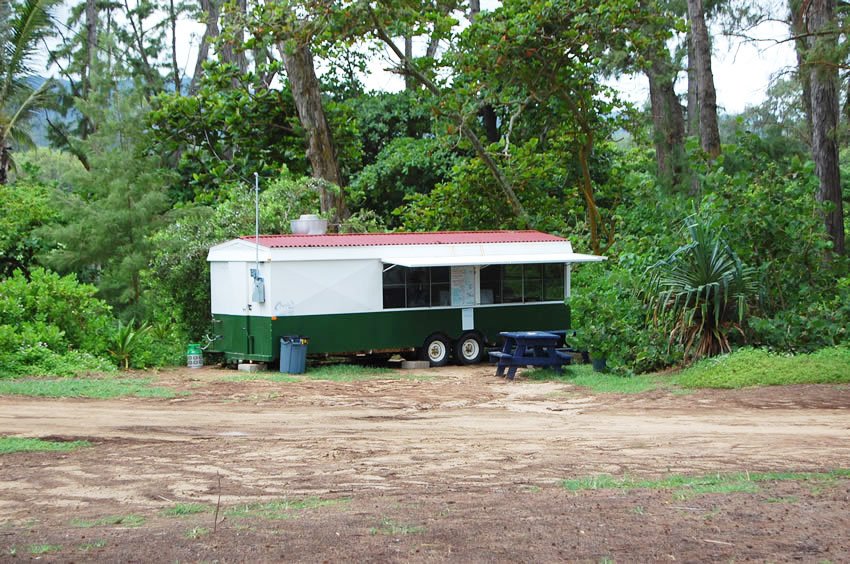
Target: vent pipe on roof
x: 309, y: 224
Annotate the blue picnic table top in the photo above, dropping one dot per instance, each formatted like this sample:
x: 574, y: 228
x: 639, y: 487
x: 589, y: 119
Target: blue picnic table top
x: 529, y: 348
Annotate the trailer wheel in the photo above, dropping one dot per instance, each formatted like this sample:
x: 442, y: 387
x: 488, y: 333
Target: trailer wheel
x: 436, y: 350
x: 469, y: 348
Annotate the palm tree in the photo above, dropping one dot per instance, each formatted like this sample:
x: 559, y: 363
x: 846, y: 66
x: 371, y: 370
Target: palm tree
x: 22, y: 28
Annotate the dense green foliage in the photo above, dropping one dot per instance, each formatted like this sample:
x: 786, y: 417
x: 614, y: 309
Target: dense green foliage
x: 505, y: 122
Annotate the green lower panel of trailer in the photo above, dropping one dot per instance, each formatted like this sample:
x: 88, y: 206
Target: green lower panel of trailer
x: 258, y: 338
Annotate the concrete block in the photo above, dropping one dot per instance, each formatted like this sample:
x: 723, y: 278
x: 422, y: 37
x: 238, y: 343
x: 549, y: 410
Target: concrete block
x: 415, y: 365
x: 254, y: 367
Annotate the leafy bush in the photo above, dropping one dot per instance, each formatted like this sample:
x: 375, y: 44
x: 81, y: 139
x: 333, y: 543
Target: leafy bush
x: 58, y: 301
x: 37, y: 360
x: 163, y: 345
x: 817, y: 321
x: 755, y: 367
x: 611, y: 322
x: 51, y: 325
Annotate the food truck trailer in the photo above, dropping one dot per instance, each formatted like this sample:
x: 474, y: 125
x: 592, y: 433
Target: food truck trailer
x: 443, y: 295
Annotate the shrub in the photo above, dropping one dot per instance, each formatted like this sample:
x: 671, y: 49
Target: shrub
x: 610, y: 320
x: 48, y: 303
x: 50, y: 325
x: 701, y: 292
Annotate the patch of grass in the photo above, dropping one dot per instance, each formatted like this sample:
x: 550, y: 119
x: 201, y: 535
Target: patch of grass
x: 93, y: 545
x: 721, y: 487
x: 584, y: 376
x: 788, y: 499
x: 9, y: 445
x: 183, y: 509
x: 354, y: 373
x: 125, y: 520
x: 687, y: 486
x: 281, y: 509
x: 391, y: 527
x: 36, y: 549
x: 757, y: 367
x: 197, y: 532
x: 96, y: 388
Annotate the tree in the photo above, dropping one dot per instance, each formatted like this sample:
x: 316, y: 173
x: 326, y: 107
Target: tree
x: 114, y: 207
x: 221, y: 134
x: 709, y: 132
x: 819, y: 17
x: 294, y: 34
x: 543, y: 61
x: 22, y: 28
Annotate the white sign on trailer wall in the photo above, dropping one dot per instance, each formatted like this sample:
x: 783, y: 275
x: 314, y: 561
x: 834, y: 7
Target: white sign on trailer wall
x: 463, y: 285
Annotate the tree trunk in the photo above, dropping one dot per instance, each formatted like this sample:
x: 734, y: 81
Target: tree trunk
x: 487, y: 113
x: 211, y: 9
x: 4, y: 162
x: 798, y: 29
x: 86, y: 127
x: 231, y: 51
x: 667, y: 121
x: 320, y: 147
x: 409, y: 82
x: 693, y: 92
x: 709, y: 132
x: 175, y: 70
x: 823, y: 76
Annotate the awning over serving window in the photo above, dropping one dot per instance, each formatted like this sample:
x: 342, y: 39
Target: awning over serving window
x: 481, y: 260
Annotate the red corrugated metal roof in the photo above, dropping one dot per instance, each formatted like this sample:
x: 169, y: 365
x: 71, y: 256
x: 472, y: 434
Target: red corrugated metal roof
x: 375, y: 239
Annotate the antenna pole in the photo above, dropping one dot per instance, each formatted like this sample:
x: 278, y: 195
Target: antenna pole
x: 257, y: 219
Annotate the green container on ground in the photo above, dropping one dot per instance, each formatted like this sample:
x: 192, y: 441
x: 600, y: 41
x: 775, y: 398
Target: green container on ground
x: 293, y: 354
x: 194, y: 356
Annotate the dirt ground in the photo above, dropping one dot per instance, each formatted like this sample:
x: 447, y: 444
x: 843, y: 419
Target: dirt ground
x: 463, y: 466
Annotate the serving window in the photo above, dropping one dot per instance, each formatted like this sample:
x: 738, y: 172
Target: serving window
x: 522, y: 283
x: 416, y: 287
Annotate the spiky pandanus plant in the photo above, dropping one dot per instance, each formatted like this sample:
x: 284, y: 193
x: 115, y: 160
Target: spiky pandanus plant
x: 125, y: 341
x: 701, y: 292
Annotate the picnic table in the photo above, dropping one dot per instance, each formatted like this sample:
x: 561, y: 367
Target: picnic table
x: 530, y: 348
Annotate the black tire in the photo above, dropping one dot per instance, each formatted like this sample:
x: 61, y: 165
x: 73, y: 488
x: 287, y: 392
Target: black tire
x: 437, y: 350
x: 469, y: 349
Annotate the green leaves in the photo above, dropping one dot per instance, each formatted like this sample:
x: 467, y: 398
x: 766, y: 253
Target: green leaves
x: 701, y: 292
x: 126, y: 340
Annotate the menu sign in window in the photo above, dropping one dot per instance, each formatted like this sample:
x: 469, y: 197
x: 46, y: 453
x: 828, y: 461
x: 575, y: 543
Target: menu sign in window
x: 463, y: 285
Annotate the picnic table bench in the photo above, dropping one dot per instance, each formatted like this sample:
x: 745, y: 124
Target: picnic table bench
x: 530, y: 348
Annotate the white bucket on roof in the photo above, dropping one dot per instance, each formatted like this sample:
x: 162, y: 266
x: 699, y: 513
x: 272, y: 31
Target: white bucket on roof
x: 309, y: 224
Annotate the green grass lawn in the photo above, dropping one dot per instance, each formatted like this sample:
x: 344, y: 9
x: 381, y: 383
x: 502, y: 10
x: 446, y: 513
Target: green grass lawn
x: 97, y: 388
x: 687, y: 486
x: 757, y: 367
x: 741, y: 369
x: 9, y: 445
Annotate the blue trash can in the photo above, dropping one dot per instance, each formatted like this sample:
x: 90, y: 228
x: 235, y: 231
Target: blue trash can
x: 293, y: 354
